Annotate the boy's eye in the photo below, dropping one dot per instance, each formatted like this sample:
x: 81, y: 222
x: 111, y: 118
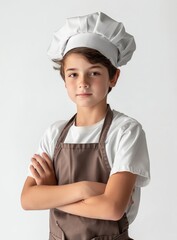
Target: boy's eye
x: 72, y: 75
x: 94, y: 73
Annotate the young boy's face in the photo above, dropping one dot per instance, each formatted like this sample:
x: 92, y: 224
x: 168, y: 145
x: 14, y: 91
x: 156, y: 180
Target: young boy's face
x: 87, y: 84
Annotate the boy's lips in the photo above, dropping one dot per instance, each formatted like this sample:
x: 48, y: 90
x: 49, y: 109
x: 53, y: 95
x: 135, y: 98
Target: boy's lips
x: 83, y: 94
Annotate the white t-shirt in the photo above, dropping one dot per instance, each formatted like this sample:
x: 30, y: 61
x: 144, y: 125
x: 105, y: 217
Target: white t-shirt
x: 125, y: 146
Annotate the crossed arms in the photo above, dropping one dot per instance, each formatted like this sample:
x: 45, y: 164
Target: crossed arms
x: 88, y: 199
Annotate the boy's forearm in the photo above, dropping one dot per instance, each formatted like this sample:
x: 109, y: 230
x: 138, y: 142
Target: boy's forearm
x: 97, y: 207
x: 110, y: 205
x: 38, y: 197
x: 46, y: 197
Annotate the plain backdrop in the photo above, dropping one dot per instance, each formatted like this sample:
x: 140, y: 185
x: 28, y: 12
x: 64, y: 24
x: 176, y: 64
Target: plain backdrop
x: 32, y: 96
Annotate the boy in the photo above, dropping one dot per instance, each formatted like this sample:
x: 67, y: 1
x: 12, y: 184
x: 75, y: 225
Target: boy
x: 98, y: 159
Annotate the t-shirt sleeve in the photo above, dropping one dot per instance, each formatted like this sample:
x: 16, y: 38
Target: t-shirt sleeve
x: 132, y: 153
x: 48, y: 141
x: 45, y: 143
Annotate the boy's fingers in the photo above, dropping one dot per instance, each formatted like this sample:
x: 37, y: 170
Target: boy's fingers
x: 37, y: 166
x: 34, y: 172
x: 48, y: 159
x: 42, y: 162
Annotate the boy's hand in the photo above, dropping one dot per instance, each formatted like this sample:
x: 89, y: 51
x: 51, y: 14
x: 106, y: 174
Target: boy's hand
x: 42, y: 170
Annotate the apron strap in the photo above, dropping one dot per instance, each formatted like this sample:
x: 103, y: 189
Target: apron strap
x: 106, y: 125
x: 64, y: 134
x: 66, y: 129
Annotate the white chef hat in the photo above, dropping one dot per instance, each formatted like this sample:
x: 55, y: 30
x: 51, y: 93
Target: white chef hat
x: 97, y: 31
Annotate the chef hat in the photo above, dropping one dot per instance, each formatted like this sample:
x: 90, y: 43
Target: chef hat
x: 97, y: 31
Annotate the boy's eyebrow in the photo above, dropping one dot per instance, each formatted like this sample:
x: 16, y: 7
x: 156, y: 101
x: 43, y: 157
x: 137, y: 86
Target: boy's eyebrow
x: 71, y: 69
x: 96, y: 66
x: 74, y: 69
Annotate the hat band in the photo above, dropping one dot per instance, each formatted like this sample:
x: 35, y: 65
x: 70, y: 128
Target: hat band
x: 95, y: 41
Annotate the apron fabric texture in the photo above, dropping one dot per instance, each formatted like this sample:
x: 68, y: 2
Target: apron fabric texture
x: 84, y: 162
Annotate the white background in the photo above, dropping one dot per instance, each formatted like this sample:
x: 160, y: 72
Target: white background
x: 32, y: 96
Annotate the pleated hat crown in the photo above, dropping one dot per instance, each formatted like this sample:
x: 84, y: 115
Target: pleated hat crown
x: 97, y: 31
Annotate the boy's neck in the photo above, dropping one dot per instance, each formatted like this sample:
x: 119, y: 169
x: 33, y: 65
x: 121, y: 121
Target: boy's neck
x: 90, y: 116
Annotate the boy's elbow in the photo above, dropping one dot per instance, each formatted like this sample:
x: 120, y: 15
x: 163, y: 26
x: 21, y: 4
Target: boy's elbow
x: 25, y: 206
x: 27, y: 195
x: 116, y: 214
x: 24, y: 202
x: 27, y: 201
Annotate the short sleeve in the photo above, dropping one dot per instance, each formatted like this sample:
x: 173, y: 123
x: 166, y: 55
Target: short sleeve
x: 45, y: 143
x: 132, y: 153
x: 48, y: 140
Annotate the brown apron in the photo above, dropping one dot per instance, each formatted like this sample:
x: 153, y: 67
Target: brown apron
x: 84, y: 162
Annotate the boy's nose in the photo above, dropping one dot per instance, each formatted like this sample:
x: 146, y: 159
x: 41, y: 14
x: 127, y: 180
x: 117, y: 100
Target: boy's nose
x: 83, y: 83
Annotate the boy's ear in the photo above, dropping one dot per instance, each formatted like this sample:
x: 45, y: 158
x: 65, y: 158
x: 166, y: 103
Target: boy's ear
x: 114, y: 80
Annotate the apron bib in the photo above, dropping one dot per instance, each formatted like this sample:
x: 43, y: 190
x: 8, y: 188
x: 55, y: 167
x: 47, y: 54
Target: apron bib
x: 84, y: 162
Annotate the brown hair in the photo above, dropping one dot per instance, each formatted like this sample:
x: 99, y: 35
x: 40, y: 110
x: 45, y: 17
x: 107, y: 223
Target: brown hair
x: 92, y: 55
